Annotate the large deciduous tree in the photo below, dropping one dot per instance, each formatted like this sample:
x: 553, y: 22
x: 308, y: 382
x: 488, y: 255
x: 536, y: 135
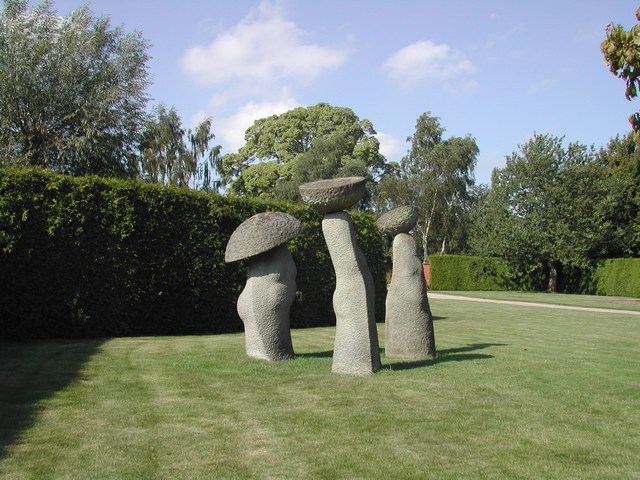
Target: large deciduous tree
x: 621, y: 51
x: 550, y: 208
x: 72, y: 91
x: 621, y: 160
x: 302, y: 145
x: 436, y: 176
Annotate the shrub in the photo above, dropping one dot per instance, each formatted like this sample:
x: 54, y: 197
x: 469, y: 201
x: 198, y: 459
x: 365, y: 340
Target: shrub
x: 617, y: 277
x: 92, y: 257
x: 461, y: 272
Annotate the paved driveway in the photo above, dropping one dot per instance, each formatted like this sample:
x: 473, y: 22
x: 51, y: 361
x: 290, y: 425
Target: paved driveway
x: 442, y: 296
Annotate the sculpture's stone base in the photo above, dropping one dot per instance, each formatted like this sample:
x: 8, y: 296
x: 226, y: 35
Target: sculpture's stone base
x: 265, y: 302
x: 408, y: 322
x: 356, y: 350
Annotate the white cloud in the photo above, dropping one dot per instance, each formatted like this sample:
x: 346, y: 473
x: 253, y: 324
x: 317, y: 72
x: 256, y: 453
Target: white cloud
x: 390, y: 146
x: 231, y: 129
x: 263, y: 47
x: 425, y: 60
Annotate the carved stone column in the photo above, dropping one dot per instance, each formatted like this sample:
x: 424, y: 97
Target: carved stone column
x: 356, y: 350
x: 408, y: 320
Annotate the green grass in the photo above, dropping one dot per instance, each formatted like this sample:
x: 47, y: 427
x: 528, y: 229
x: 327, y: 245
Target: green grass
x: 515, y: 392
x: 591, y: 301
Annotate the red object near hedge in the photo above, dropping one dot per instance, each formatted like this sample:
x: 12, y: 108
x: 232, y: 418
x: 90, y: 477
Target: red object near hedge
x: 426, y: 269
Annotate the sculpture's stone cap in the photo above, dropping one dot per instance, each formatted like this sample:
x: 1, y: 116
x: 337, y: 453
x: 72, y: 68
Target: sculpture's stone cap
x: 333, y: 195
x: 260, y: 233
x: 398, y: 220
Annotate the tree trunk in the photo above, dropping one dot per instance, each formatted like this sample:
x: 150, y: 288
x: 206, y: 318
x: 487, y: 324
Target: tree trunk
x: 425, y: 243
x: 553, y: 276
x: 425, y: 237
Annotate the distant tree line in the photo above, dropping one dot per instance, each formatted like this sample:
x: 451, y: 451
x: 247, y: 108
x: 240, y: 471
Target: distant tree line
x: 73, y: 100
x: 557, y: 208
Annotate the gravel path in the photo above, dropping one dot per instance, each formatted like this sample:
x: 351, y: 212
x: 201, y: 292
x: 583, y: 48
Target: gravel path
x: 441, y: 296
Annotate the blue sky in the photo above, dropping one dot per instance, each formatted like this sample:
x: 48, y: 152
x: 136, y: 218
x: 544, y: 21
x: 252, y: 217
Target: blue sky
x: 497, y: 70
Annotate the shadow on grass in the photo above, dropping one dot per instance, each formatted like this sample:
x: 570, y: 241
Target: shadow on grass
x: 440, y: 358
x: 326, y: 354
x: 458, y: 354
x: 31, y: 373
x: 445, y: 355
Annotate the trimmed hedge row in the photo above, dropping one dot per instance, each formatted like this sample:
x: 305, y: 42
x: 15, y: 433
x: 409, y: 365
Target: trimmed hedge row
x: 94, y: 257
x: 618, y: 277
x: 462, y: 272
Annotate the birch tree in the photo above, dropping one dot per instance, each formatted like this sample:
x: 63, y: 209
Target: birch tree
x: 173, y: 155
x: 436, y: 176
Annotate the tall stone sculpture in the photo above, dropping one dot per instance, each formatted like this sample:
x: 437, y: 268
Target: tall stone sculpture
x: 408, y: 320
x: 356, y: 350
x: 266, y: 300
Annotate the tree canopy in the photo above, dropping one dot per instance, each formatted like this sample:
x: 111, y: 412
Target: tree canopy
x: 72, y: 90
x: 552, y: 207
x: 621, y: 51
x: 436, y: 176
x: 621, y: 162
x: 301, y: 145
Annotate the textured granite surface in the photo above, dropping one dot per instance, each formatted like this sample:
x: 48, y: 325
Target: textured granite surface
x: 398, y: 220
x: 356, y: 350
x: 265, y: 302
x: 333, y: 195
x: 408, y: 320
x: 260, y: 233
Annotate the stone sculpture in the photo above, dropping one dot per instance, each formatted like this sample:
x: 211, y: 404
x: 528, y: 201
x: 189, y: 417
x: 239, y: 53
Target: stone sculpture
x: 356, y: 350
x: 408, y: 320
x: 266, y: 300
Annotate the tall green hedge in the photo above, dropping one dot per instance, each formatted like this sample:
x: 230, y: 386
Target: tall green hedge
x: 618, y: 277
x: 461, y: 272
x: 91, y: 257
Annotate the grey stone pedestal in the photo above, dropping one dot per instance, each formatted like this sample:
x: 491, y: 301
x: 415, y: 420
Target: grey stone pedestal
x: 356, y: 350
x: 408, y: 320
x: 265, y: 302
x: 408, y: 316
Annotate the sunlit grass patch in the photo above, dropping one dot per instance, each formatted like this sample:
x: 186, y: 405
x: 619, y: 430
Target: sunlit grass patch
x: 515, y: 392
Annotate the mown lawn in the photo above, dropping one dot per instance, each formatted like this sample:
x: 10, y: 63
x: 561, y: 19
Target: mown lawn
x: 515, y: 392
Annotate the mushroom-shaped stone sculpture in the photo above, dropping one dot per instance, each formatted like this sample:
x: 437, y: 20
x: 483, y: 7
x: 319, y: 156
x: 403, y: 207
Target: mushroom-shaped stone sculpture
x: 266, y: 300
x: 408, y: 320
x: 356, y: 350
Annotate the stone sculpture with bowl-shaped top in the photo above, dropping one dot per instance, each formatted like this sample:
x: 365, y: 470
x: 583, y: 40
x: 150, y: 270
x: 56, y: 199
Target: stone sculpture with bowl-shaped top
x: 266, y: 300
x: 408, y: 320
x: 356, y: 350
